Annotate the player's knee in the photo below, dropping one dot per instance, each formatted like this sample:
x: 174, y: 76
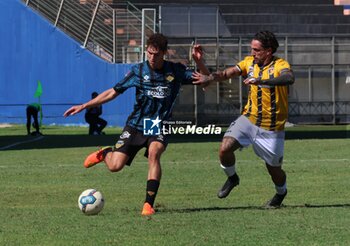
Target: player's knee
x: 115, y: 164
x: 155, y: 151
x: 224, y: 151
x: 276, y: 171
x: 154, y: 156
x: 115, y: 167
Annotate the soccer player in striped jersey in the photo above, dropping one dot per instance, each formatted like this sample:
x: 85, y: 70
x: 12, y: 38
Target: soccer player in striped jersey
x: 157, y: 84
x: 264, y: 116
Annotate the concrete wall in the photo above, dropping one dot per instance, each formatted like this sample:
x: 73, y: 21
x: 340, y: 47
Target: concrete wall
x: 32, y: 49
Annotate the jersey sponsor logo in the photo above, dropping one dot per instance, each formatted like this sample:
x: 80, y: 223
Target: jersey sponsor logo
x: 169, y: 78
x: 160, y: 138
x: 146, y: 78
x: 119, y: 144
x: 125, y: 135
x: 159, y: 92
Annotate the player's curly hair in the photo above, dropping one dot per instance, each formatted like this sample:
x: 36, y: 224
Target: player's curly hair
x: 267, y: 39
x: 158, y: 41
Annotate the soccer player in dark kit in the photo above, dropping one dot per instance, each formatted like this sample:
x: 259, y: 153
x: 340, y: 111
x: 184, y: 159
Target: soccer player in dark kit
x: 157, y: 84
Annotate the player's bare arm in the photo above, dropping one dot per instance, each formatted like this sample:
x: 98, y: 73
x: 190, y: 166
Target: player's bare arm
x: 197, y: 55
x: 205, y: 80
x: 102, y: 98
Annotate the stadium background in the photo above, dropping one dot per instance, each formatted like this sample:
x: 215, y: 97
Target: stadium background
x: 75, y: 47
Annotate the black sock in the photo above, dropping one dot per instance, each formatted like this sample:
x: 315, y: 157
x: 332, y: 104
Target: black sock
x: 233, y: 177
x: 151, y: 191
x: 107, y: 150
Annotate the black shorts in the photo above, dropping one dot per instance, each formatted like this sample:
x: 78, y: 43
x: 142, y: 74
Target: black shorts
x: 132, y: 140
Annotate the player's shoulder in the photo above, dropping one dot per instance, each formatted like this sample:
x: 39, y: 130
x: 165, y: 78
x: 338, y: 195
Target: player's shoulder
x: 281, y: 62
x: 175, y: 65
x: 279, y: 59
x: 139, y: 67
x: 248, y: 58
x: 247, y: 61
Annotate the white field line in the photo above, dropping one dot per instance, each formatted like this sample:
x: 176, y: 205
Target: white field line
x: 22, y: 142
x: 195, y: 161
x: 205, y: 161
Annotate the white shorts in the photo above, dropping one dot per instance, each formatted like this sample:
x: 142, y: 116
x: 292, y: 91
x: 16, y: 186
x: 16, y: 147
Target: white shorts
x: 268, y: 145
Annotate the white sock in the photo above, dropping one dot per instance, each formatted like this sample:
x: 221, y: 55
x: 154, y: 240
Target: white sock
x: 230, y: 171
x: 281, y: 189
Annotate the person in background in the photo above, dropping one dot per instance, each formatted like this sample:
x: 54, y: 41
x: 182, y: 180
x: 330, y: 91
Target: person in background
x: 92, y: 117
x: 32, y: 111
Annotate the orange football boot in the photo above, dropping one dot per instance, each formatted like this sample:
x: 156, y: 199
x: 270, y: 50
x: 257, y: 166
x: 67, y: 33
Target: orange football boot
x: 147, y: 210
x: 96, y: 157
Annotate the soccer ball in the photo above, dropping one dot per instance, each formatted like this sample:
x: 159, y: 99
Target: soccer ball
x: 91, y: 202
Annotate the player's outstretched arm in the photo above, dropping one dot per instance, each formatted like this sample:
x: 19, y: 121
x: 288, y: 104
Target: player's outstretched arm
x: 205, y: 80
x: 102, y: 98
x: 202, y: 79
x: 73, y: 110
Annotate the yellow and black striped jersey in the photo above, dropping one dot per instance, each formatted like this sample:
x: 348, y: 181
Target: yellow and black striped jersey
x: 267, y: 105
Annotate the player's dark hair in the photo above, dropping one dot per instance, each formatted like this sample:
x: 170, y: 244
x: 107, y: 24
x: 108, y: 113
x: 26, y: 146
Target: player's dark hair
x: 267, y: 39
x: 94, y: 94
x: 158, y: 41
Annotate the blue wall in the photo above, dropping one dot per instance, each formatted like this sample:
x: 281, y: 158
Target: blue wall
x: 33, y: 49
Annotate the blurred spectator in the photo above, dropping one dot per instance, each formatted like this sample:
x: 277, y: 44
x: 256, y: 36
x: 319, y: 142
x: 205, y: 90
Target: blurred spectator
x: 92, y: 116
x: 32, y: 111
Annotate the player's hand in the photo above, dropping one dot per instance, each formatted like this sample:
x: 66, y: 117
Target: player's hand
x: 201, y: 79
x: 252, y: 81
x: 73, y: 110
x: 197, y: 52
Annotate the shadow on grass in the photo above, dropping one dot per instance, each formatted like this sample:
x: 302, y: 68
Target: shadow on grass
x: 319, y: 134
x: 192, y: 210
x: 18, y: 142
x: 55, y: 141
x: 73, y: 141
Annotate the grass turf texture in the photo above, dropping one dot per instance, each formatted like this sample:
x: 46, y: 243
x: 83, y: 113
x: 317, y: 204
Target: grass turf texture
x: 40, y: 183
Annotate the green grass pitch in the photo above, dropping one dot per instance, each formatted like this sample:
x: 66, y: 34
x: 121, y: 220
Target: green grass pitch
x: 41, y: 180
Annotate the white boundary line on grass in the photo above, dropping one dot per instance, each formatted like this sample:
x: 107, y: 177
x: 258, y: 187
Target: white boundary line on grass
x: 28, y: 141
x: 244, y: 161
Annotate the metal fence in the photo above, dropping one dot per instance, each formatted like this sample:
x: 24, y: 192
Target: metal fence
x: 113, y: 34
x: 320, y: 93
